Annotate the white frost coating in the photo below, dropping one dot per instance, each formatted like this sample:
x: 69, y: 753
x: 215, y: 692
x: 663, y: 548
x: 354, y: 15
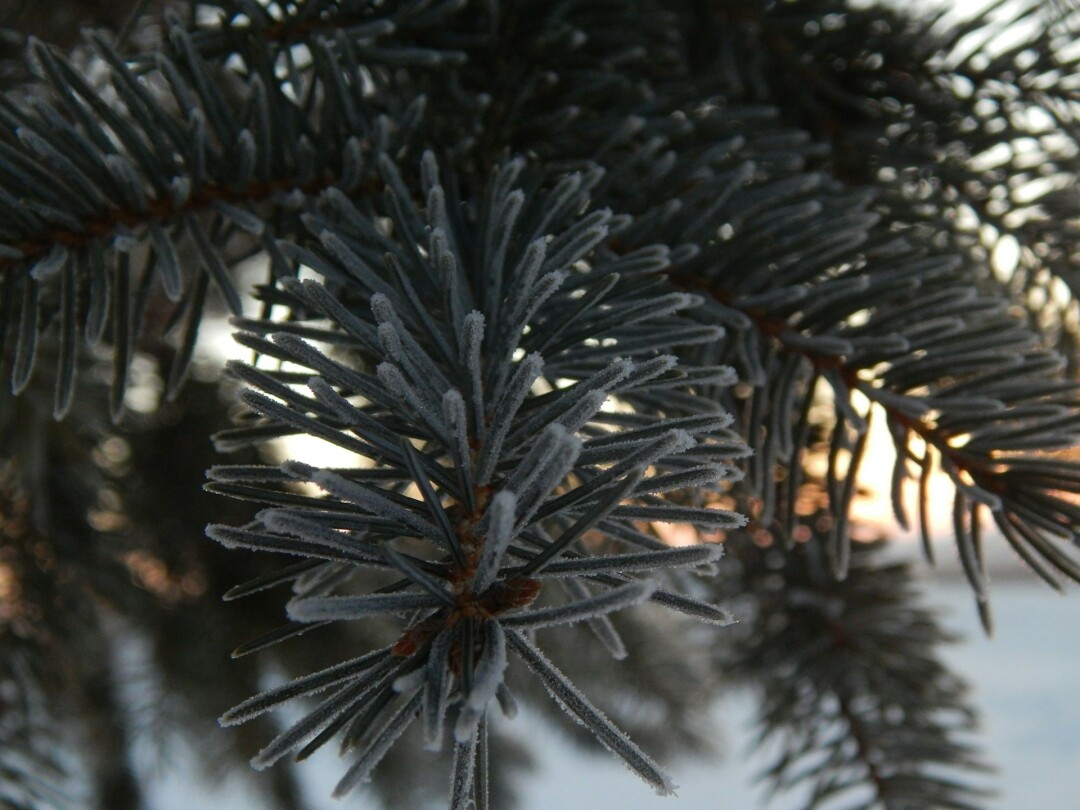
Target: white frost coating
x: 298, y: 470
x: 355, y: 266
x: 375, y: 502
x: 379, y: 745
x: 684, y: 557
x: 628, y: 595
x: 502, y: 229
x: 436, y: 690
x: 560, y: 452
x: 322, y: 715
x: 390, y: 341
x: 461, y: 780
x: 486, y: 680
x: 585, y: 409
x: 713, y: 614
x: 305, y: 685
x: 513, y: 396
x: 507, y: 702
x: 229, y: 536
x: 500, y: 531
x: 285, y: 522
x: 607, y: 635
x: 671, y: 443
x: 265, y: 541
x: 600, y: 626
x: 457, y: 428
x: 412, y: 356
x: 525, y: 275
x: 347, y: 608
x: 527, y: 469
x: 701, y: 517
x: 580, y: 238
x: 407, y: 566
x: 581, y: 710
x: 596, y: 513
x: 409, y: 681
x: 394, y: 379
x: 328, y: 396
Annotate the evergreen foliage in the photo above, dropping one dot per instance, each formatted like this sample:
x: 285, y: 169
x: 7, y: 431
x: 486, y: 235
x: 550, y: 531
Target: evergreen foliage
x: 855, y: 724
x: 555, y: 276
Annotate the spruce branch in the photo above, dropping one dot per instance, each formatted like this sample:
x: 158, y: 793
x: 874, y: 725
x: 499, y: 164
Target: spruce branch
x: 737, y: 208
x: 860, y: 712
x: 820, y: 287
x: 108, y: 184
x: 516, y: 460
x: 965, y: 120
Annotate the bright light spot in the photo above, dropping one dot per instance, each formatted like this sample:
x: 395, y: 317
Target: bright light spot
x: 959, y: 440
x: 1060, y: 292
x: 997, y: 155
x: 144, y: 393
x: 858, y: 318
x: 318, y: 453
x: 1032, y: 190
x: 616, y: 405
x: 1005, y: 257
x: 966, y: 218
x: 677, y: 534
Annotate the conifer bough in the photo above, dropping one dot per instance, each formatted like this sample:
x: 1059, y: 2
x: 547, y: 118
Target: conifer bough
x: 483, y: 364
x: 555, y: 275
